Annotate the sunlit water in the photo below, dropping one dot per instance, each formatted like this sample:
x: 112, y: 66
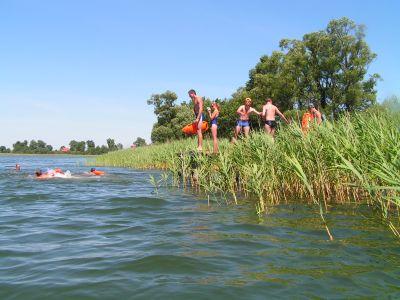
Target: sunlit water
x: 115, y: 238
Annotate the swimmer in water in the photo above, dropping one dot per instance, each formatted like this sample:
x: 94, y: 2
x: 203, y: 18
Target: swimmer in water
x: 95, y: 172
x: 57, y: 173
x: 17, y: 167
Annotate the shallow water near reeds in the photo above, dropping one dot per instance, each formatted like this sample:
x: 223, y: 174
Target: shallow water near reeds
x: 114, y: 237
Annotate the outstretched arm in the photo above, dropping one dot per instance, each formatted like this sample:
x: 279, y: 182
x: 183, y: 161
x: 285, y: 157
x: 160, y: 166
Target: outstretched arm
x: 255, y: 112
x: 282, y: 116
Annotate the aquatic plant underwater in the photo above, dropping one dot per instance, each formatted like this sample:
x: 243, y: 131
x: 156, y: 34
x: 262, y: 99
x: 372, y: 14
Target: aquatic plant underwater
x: 353, y: 160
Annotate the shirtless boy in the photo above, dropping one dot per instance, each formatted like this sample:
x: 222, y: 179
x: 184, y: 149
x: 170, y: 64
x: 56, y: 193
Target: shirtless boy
x: 268, y: 113
x: 198, y: 112
x: 244, y: 112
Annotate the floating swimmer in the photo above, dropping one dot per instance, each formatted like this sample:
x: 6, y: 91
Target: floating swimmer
x: 58, y: 170
x: 95, y: 172
x: 50, y: 173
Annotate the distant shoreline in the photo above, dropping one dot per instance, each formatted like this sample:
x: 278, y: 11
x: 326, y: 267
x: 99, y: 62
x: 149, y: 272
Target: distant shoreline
x: 46, y: 154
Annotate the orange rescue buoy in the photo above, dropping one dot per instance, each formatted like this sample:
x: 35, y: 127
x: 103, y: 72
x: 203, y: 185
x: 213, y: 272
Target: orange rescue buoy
x: 98, y: 173
x: 191, y: 129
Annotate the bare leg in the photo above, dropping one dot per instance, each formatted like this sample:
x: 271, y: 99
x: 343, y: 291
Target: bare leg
x: 214, y: 136
x: 199, y: 136
x: 246, y: 130
x: 272, y: 132
x: 267, y: 129
x: 237, y: 131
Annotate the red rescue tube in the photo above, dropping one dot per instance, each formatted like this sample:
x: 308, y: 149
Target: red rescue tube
x: 191, y: 129
x: 98, y: 173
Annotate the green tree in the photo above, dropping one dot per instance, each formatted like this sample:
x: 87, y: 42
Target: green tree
x: 270, y: 79
x: 111, y: 145
x: 163, y: 106
x: 328, y: 67
x: 97, y: 150
x: 90, y: 147
x: 21, y: 147
x: 161, y: 133
x: 41, y: 144
x: 42, y: 147
x: 171, y: 118
x: 38, y: 147
x: 90, y: 144
x: 104, y: 149
x: 140, y: 142
x: 73, y: 145
x: 183, y: 115
x: 77, y: 147
x: 33, y: 146
x: 81, y: 146
x: 4, y: 149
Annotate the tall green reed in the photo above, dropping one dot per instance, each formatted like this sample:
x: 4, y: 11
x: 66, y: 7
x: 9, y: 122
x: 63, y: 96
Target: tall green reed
x: 356, y: 159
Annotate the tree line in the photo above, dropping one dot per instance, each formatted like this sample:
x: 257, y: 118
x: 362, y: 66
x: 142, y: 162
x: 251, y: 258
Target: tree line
x: 74, y: 147
x: 328, y: 68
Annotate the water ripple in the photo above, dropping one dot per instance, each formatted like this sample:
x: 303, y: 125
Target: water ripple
x: 112, y: 237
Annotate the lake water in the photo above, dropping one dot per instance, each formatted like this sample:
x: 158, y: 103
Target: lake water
x: 114, y: 237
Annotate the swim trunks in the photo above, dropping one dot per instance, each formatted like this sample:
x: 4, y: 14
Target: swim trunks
x: 242, y: 123
x: 270, y: 123
x: 201, y: 117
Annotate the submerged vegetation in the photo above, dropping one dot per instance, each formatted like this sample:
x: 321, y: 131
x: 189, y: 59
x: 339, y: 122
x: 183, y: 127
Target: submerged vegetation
x: 356, y: 159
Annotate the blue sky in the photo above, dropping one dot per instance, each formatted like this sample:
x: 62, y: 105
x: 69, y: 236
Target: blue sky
x: 84, y: 69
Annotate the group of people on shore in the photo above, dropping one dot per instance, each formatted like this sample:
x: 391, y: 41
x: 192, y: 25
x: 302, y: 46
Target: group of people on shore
x: 268, y: 114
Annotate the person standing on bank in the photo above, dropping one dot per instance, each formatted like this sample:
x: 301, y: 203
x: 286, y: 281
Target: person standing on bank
x: 244, y: 112
x: 269, y: 112
x: 312, y: 115
x: 214, y: 123
x: 198, y: 112
x: 317, y: 116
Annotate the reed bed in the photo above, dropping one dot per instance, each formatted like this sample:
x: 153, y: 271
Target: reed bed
x: 356, y: 159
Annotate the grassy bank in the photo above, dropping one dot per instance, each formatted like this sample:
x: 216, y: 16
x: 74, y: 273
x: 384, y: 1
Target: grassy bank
x: 354, y: 160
